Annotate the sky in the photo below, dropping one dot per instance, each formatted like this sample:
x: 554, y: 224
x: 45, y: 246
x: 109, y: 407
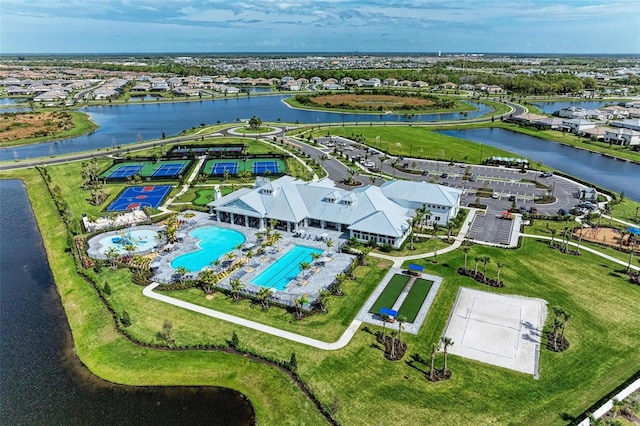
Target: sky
x: 218, y: 26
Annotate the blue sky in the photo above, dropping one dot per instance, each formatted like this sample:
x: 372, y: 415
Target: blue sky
x: 471, y: 26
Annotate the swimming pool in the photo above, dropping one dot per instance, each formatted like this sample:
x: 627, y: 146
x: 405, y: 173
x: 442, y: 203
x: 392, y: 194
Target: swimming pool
x: 144, y: 240
x: 286, y: 268
x: 214, y: 243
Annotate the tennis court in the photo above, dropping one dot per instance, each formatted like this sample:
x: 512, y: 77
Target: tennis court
x: 135, y: 197
x: 219, y: 167
x: 158, y: 169
x: 261, y: 167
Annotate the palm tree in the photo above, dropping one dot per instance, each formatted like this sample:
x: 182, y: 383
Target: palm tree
x: 567, y: 317
x: 553, y: 236
x: 303, y: 268
x: 207, y: 277
x: 450, y: 228
x: 385, y: 318
x: 633, y: 249
x: 239, y: 248
x: 323, y: 297
x: 446, y: 342
x: 130, y: 248
x: 263, y: 295
x: 182, y: 271
x: 411, y: 222
x: 329, y: 243
x: 500, y: 265
x: 617, y: 407
x: 465, y: 250
x: 315, y: 256
x: 622, y: 235
x: 393, y: 343
x: 401, y: 320
x: 236, y: 287
x: 277, y: 237
x: 112, y: 254
x: 485, y: 260
x: 477, y: 259
x: 299, y: 303
x: 433, y: 362
x: 364, y: 251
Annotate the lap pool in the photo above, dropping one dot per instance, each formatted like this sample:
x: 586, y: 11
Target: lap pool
x: 214, y: 243
x: 286, y: 268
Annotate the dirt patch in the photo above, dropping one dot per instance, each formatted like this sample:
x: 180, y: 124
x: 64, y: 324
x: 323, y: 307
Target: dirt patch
x: 16, y: 126
x: 602, y: 235
x: 372, y: 101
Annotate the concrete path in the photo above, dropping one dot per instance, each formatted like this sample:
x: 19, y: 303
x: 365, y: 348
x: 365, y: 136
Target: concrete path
x: 163, y: 208
x: 587, y: 249
x: 399, y: 260
x: 338, y: 344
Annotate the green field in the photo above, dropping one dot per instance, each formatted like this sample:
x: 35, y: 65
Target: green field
x: 414, y: 300
x: 390, y: 293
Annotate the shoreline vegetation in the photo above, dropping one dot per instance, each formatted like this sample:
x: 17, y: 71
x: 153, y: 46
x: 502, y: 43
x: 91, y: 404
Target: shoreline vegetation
x: 26, y: 128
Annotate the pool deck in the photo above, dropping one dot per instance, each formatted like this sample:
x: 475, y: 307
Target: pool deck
x: 317, y: 277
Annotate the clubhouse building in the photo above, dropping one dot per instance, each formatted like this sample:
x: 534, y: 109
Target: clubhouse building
x: 366, y: 213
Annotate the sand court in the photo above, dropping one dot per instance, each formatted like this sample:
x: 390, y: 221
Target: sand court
x: 497, y: 329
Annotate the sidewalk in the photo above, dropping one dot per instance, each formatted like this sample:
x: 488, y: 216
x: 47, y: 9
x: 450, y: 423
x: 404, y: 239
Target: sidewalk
x: 338, y: 344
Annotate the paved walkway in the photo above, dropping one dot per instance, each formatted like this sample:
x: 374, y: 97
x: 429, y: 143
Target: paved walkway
x: 163, y: 208
x: 319, y: 344
x: 587, y: 249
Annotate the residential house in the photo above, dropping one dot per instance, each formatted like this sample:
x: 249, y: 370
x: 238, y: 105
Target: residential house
x: 622, y: 136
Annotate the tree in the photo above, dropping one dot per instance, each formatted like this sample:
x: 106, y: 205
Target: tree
x: 401, y: 320
x: 385, y: 318
x: 329, y: 243
x: 500, y: 265
x: 299, y: 303
x: 485, y: 261
x: 112, y: 254
x: 323, y: 297
x: 207, y: 279
x: 411, y: 222
x: 567, y: 317
x: 293, y: 362
x: 255, y: 123
x: 236, y: 287
x: 465, y: 250
x: 304, y: 266
x: 125, y: 319
x: 181, y: 271
x: 263, y: 296
x: 167, y: 332
x: 235, y: 341
x: 446, y: 342
x: 106, y: 289
x: 130, y: 248
x: 475, y: 270
x: 553, y: 236
x: 433, y: 362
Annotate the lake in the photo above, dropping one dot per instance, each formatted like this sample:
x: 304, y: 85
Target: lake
x: 42, y: 382
x: 605, y: 172
x: 124, y: 124
x: 551, y: 107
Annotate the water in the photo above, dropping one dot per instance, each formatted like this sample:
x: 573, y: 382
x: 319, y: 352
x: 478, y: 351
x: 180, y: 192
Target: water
x: 42, y: 382
x: 125, y: 124
x: 286, y: 268
x: 142, y: 239
x: 214, y: 243
x: 551, y: 107
x: 605, y: 172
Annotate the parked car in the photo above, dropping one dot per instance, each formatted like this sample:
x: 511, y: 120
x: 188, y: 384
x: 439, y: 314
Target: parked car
x: 425, y: 173
x: 522, y: 209
x: 533, y: 210
x: 512, y: 197
x: 444, y: 175
x: 495, y: 195
x: 473, y: 178
x: 546, y: 174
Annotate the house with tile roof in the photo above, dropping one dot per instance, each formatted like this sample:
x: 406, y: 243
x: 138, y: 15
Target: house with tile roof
x: 366, y: 213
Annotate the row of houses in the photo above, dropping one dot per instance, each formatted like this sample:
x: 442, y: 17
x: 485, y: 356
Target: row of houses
x: 603, y: 113
x: 621, y: 132
x: 367, y: 213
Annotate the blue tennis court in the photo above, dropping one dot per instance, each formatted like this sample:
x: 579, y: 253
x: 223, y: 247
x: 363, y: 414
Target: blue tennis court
x: 139, y: 197
x: 219, y: 168
x: 125, y: 171
x: 260, y: 167
x: 169, y: 170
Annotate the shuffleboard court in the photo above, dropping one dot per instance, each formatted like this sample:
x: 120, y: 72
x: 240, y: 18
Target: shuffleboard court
x: 139, y: 197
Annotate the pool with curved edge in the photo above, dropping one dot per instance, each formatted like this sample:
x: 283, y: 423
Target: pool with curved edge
x: 214, y: 242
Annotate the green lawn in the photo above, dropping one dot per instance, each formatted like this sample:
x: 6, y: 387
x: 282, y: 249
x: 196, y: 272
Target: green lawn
x: 204, y: 197
x: 415, y: 298
x: 604, y: 332
x: 390, y: 293
x: 416, y: 141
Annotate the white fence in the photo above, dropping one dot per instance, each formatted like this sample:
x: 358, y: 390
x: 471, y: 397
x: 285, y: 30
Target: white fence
x: 609, y: 404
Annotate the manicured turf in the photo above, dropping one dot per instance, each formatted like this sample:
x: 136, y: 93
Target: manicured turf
x: 390, y: 294
x: 415, y: 298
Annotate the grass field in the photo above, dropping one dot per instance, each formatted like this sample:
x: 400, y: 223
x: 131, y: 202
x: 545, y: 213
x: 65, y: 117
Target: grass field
x: 25, y: 128
x: 416, y: 141
x: 415, y: 298
x: 604, y: 332
x: 390, y: 294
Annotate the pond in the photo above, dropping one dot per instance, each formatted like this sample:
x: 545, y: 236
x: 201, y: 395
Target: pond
x: 551, y: 107
x: 42, y: 382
